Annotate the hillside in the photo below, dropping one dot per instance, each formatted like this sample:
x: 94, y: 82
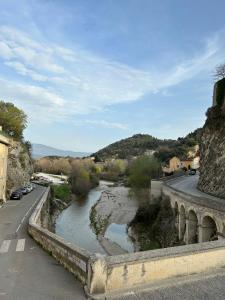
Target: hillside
x: 141, y: 143
x: 39, y: 150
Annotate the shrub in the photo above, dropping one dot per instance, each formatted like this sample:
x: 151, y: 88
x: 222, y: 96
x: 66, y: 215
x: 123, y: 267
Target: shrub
x: 62, y: 192
x: 142, y: 170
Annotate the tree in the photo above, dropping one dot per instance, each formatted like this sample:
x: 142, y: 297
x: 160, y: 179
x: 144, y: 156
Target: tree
x: 220, y: 72
x: 12, y: 119
x: 142, y: 170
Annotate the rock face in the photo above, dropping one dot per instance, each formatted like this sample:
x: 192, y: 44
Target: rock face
x: 20, y: 168
x: 212, y: 153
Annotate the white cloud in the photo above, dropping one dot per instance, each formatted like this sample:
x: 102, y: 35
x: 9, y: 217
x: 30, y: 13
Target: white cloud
x: 72, y: 81
x: 23, y: 70
x: 29, y: 94
x: 107, y: 124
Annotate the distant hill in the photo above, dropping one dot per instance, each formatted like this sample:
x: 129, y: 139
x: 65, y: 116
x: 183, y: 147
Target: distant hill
x: 39, y: 150
x: 143, y: 143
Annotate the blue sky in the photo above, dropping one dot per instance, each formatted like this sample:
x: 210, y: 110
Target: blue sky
x: 90, y: 72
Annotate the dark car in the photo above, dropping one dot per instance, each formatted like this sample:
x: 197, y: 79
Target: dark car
x: 192, y: 172
x: 24, y: 190
x: 17, y: 195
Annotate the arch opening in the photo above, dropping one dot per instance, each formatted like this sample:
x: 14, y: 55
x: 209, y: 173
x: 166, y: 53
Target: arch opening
x: 176, y: 214
x: 209, y: 229
x: 192, y: 234
x: 182, y: 223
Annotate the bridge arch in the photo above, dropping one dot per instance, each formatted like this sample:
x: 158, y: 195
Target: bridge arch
x: 209, y: 229
x: 176, y: 214
x: 192, y: 228
x: 182, y: 222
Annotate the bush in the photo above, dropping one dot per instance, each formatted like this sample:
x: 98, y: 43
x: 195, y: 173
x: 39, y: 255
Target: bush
x: 62, y: 192
x: 83, y: 177
x: 142, y: 170
x: 13, y: 120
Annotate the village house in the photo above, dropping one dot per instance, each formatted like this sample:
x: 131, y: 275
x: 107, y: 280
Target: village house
x: 176, y: 164
x: 4, y: 143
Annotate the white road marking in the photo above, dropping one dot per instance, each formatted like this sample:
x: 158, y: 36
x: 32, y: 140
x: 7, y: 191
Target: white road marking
x: 5, y: 246
x: 20, y: 245
x: 23, y: 219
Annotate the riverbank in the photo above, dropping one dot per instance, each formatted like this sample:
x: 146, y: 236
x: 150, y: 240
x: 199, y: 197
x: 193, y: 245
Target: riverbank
x: 116, y: 206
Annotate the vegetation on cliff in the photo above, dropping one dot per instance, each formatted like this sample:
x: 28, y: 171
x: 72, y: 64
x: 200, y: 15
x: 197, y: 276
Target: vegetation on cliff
x: 154, y: 226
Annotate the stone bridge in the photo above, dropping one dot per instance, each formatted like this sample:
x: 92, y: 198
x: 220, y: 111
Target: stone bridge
x: 198, y: 219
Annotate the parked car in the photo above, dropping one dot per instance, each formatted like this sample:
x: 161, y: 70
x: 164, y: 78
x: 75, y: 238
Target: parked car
x: 29, y: 188
x: 16, y: 195
x: 192, y: 172
x: 24, y: 190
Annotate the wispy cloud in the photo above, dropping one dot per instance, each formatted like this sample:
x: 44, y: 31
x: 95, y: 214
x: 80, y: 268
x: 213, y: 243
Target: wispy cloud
x: 107, y: 124
x: 75, y: 81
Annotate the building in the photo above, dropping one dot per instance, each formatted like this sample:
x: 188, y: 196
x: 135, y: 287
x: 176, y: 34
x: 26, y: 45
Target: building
x: 186, y: 163
x: 174, y: 164
x: 4, y: 143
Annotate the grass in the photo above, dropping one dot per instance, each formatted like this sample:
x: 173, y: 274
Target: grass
x: 62, y: 192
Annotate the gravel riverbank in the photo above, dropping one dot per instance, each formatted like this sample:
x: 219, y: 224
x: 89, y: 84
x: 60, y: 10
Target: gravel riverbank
x: 115, y: 206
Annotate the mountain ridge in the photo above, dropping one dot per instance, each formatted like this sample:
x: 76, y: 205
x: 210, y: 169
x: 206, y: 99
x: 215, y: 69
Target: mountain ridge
x: 41, y: 150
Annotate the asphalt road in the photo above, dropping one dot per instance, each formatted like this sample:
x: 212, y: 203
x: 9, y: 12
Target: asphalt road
x: 188, y: 184
x: 26, y: 271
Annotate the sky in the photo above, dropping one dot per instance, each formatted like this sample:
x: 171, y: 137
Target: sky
x: 91, y: 72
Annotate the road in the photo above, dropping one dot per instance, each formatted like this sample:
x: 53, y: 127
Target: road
x: 188, y: 184
x: 28, y: 272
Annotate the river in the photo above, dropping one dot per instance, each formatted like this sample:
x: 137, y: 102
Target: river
x: 73, y: 224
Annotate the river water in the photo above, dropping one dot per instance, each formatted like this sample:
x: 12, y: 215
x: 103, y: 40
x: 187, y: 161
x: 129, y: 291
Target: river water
x: 73, y: 224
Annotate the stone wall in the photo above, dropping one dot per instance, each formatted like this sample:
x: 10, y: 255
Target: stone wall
x: 20, y: 167
x: 212, y: 153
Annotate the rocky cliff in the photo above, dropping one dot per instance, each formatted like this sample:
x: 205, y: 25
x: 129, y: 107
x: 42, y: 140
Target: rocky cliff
x: 20, y: 168
x: 212, y: 153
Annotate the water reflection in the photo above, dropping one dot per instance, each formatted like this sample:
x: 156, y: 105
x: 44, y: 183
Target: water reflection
x: 118, y: 233
x: 73, y: 224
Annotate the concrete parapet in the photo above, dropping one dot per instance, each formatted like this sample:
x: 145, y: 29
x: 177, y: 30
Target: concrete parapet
x: 127, y: 272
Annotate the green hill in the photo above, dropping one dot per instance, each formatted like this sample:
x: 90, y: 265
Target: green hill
x: 141, y: 143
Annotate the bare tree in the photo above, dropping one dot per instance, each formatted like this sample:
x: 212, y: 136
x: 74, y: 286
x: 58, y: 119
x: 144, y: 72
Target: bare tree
x: 219, y: 72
